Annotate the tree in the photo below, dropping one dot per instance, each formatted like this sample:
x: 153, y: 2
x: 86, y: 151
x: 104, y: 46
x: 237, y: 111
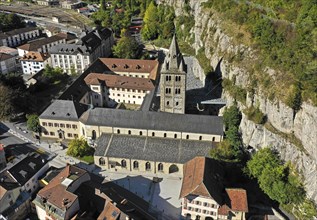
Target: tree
x: 78, y: 148
x: 275, y: 178
x: 224, y: 151
x: 150, y: 28
x: 33, y: 123
x: 126, y: 48
x: 52, y: 73
x: 232, y: 116
x: 6, y: 102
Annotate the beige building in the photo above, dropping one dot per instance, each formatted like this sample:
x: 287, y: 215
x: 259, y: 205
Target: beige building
x: 202, y: 193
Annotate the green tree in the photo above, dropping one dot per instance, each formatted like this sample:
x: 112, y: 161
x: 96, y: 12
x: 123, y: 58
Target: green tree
x: 6, y: 102
x: 126, y: 48
x: 33, y: 123
x: 52, y: 73
x: 224, y: 151
x: 150, y: 27
x: 78, y: 148
x: 232, y: 116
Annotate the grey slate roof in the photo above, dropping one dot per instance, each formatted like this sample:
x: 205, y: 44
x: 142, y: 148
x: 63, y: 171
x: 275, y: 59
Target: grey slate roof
x: 204, y: 124
x: 69, y: 49
x: 151, y: 148
x: 64, y: 110
x: 4, y: 35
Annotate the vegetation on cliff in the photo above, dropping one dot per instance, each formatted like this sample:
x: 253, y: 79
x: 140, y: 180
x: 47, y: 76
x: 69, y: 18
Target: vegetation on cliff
x: 285, y: 32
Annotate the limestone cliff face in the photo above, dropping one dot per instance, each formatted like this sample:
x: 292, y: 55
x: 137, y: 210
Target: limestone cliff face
x: 209, y: 34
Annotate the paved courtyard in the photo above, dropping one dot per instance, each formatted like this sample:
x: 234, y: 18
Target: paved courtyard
x: 162, y: 196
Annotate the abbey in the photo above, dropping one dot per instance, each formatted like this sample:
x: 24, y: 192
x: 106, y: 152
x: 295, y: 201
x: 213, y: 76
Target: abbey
x: 133, y: 141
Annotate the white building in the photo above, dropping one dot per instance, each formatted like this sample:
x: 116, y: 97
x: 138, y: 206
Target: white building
x: 42, y: 45
x: 75, y: 58
x: 203, y: 195
x: 18, y: 36
x: 33, y: 62
x: 109, y: 90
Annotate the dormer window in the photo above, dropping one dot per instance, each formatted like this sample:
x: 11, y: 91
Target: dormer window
x: 68, y: 114
x: 126, y: 66
x: 114, y: 66
x: 138, y: 67
x: 53, y: 113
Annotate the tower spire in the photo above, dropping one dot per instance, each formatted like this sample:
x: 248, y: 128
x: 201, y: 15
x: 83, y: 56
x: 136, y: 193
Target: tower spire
x: 174, y: 54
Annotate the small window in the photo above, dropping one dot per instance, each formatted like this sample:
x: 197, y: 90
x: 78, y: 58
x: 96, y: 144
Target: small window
x: 75, y: 135
x: 160, y: 167
x: 213, y: 138
x: 118, y: 131
x: 165, y: 135
x: 187, y: 136
x: 44, y: 123
x: 74, y: 126
x: 101, y: 161
x: 124, y: 163
x: 50, y: 124
x: 167, y: 103
x: 129, y: 132
x: 62, y: 125
x: 147, y: 166
x: 175, y: 135
x: 52, y: 133
x: 153, y: 134
x: 200, y: 138
x: 69, y: 135
x: 56, y: 125
x: 135, y: 165
x: 68, y: 126
x: 141, y: 133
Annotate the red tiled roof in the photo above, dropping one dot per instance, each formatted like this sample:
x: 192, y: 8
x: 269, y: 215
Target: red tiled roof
x: 238, y: 199
x: 117, y: 81
x: 110, y: 212
x: 131, y: 65
x: 35, y: 56
x: 223, y: 210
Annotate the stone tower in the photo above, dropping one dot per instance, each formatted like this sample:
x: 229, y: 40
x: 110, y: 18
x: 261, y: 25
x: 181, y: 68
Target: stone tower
x: 173, y: 81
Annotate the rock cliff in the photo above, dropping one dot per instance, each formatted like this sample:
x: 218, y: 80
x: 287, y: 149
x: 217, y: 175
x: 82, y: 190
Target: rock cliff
x: 293, y: 134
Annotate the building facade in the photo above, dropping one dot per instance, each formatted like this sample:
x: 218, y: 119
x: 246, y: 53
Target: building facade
x: 202, y: 193
x: 33, y: 62
x: 75, y: 58
x: 173, y: 81
x: 7, y: 63
x: 18, y: 36
x: 41, y: 45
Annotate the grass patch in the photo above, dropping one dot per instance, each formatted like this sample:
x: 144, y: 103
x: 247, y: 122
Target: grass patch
x: 88, y: 159
x: 237, y: 92
x: 255, y: 115
x: 289, y: 137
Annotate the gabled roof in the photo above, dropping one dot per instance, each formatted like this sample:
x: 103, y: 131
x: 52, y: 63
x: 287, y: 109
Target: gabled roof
x: 203, y: 177
x: 7, y: 34
x: 110, y: 212
x: 35, y: 56
x: 117, y: 81
x: 238, y: 200
x: 64, y: 110
x: 4, y: 56
x: 35, y: 45
x: 163, y: 121
x: 131, y: 65
x: 56, y: 193
x: 174, y: 60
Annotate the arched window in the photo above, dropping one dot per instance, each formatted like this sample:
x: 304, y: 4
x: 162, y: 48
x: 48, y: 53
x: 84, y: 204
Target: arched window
x: 93, y: 135
x: 140, y: 132
x: 147, y: 166
x: 169, y: 90
x: 166, y: 90
x: 169, y: 78
x: 200, y: 138
x: 173, y: 169
x: 167, y: 103
x: 176, y: 103
x: 187, y: 136
x: 124, y: 163
x: 129, y: 132
x: 153, y: 134
x: 101, y: 161
x: 213, y: 138
x: 165, y: 135
x: 166, y: 78
x: 175, y: 135
x: 160, y: 167
x: 135, y: 165
x: 118, y: 131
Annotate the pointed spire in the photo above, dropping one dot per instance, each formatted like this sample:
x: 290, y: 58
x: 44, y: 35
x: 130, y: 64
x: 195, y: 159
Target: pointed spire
x: 174, y: 54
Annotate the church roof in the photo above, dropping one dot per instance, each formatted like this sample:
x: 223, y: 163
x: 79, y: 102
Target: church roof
x: 174, y: 60
x: 150, y: 148
x: 163, y: 121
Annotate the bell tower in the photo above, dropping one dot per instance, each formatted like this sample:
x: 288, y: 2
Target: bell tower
x: 173, y: 81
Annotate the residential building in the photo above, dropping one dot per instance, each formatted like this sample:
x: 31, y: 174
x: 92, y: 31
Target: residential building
x: 3, y: 161
x: 51, y: 30
x: 41, y: 45
x: 71, y: 4
x: 17, y: 37
x: 48, y: 2
x: 75, y: 58
x: 204, y: 196
x: 33, y: 62
x: 9, y: 50
x: 109, y: 90
x: 173, y: 81
x: 18, y: 183
x: 7, y: 63
x: 57, y: 199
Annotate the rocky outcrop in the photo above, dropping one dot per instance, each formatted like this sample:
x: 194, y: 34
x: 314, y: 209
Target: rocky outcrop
x: 209, y: 34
